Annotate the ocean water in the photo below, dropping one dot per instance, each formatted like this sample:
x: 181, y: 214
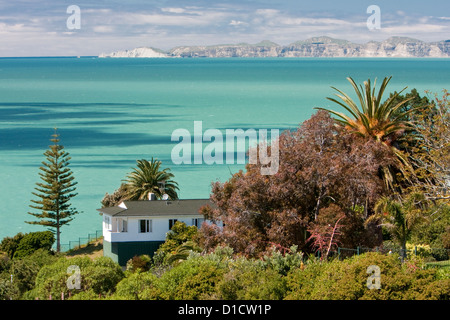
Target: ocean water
x: 111, y: 112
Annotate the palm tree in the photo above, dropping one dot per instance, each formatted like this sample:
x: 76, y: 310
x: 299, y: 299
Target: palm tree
x: 182, y: 252
x: 149, y: 178
x: 384, y: 122
x: 400, y: 218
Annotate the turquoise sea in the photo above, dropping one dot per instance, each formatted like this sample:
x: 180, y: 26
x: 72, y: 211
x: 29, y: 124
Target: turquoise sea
x: 111, y: 112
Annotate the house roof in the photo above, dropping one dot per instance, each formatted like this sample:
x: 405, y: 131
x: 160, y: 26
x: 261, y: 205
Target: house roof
x: 156, y: 208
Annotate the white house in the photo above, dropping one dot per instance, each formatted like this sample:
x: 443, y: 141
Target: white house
x: 139, y: 227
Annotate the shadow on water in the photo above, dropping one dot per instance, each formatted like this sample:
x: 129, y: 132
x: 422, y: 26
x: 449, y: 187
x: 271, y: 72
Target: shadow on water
x: 21, y: 138
x: 37, y: 111
x: 31, y: 124
x: 81, y: 104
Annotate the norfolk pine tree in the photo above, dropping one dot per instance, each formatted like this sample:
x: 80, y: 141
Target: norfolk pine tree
x: 55, y: 191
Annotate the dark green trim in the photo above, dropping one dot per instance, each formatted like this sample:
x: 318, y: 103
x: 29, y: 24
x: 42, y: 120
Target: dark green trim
x: 121, y: 252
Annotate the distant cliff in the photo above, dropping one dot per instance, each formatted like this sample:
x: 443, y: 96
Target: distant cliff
x: 313, y: 47
x: 142, y: 52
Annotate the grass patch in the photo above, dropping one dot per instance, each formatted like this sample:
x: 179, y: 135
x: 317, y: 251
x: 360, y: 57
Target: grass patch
x: 93, y: 249
x: 439, y: 264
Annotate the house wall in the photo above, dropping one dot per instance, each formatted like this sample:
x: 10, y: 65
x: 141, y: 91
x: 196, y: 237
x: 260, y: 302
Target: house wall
x: 121, y: 252
x: 160, y: 226
x: 122, y: 246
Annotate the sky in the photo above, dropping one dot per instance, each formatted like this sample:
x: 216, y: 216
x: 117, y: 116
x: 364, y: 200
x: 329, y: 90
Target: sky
x: 48, y: 28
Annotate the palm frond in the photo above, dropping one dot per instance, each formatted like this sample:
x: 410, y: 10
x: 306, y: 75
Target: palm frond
x: 149, y: 178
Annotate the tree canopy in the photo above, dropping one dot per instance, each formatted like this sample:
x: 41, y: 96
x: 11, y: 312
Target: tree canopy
x: 56, y: 190
x: 384, y: 121
x: 321, y: 164
x: 149, y: 177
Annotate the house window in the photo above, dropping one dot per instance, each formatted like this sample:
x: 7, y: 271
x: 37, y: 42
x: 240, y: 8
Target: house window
x: 123, y: 225
x: 107, y: 221
x: 145, y: 226
x: 171, y: 223
x: 197, y: 222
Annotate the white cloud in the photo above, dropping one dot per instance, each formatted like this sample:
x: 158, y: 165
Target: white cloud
x: 236, y: 23
x: 186, y: 19
x: 319, y: 22
x: 160, y: 19
x: 96, y: 11
x: 173, y: 10
x: 267, y: 12
x: 414, y: 29
x: 103, y: 29
x: 18, y: 28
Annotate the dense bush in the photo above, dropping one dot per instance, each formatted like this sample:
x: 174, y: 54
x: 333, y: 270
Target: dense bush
x: 436, y: 233
x: 193, y: 279
x: 137, y: 286
x: 99, y: 276
x: 250, y: 280
x: 22, y: 245
x: 23, y: 273
x: 225, y: 276
x: 338, y: 280
x: 421, y: 250
x: 34, y: 241
x: 141, y: 263
x: 9, y: 244
x: 179, y: 235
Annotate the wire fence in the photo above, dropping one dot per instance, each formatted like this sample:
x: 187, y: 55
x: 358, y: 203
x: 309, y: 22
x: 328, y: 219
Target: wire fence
x: 433, y: 257
x: 81, y: 241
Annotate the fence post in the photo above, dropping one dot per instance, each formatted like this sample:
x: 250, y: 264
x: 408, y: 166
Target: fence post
x: 357, y: 250
x: 415, y: 250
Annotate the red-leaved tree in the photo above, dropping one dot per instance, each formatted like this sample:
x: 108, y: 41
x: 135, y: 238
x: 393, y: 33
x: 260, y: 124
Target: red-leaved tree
x: 320, y: 164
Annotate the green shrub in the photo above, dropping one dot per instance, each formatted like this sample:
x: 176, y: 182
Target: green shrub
x: 283, y: 263
x: 8, y: 290
x: 443, y: 273
x: 24, y: 271
x: 192, y: 279
x: 101, y: 276
x: 314, y: 281
x: 142, y: 263
x: 251, y: 280
x: 137, y: 286
x: 33, y: 241
x: 437, y: 230
x: 347, y: 279
x: 176, y: 237
x: 421, y: 250
x: 85, y: 295
x: 5, y: 262
x: 199, y: 283
x: 9, y: 244
x: 434, y: 290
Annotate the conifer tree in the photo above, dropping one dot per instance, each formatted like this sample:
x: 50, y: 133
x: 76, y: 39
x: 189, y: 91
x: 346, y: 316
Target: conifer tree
x: 55, y: 191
